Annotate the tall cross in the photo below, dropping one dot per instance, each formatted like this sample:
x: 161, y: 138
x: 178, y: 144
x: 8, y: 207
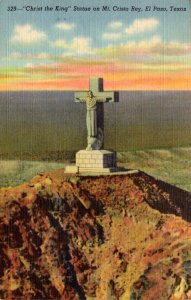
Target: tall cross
x: 94, y: 99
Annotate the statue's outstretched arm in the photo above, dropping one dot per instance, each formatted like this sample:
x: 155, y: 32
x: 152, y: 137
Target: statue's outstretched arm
x: 81, y: 99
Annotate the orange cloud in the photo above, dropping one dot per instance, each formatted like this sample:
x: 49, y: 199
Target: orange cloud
x: 148, y: 71
x: 129, y: 80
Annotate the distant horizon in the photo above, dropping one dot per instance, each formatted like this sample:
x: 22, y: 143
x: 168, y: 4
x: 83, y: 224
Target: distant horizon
x: 32, y: 91
x: 52, y: 121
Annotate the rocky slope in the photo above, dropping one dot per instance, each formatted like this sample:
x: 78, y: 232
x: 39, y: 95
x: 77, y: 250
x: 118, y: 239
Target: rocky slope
x: 106, y: 237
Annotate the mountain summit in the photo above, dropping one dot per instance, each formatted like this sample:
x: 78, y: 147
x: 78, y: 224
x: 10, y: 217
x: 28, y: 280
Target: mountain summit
x: 95, y: 237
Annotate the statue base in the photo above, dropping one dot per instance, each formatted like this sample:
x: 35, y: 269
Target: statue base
x: 93, y: 161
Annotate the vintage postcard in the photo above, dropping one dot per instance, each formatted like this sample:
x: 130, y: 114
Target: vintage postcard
x: 95, y: 150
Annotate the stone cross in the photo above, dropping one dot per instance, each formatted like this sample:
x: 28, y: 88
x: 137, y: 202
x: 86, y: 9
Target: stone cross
x: 94, y: 99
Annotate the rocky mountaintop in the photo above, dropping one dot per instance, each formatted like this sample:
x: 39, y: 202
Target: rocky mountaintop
x: 103, y: 237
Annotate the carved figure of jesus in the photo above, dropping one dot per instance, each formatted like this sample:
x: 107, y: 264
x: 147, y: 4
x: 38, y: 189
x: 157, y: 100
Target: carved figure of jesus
x: 91, y: 98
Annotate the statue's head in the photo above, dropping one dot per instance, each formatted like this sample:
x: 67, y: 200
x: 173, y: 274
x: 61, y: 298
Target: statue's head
x: 90, y: 94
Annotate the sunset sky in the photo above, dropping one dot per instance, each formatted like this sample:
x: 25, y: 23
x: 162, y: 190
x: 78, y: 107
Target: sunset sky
x: 59, y: 50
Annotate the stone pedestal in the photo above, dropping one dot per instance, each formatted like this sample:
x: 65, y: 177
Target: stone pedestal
x: 93, y: 161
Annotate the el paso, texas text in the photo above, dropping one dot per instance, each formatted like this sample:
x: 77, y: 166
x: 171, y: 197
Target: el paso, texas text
x: 103, y: 8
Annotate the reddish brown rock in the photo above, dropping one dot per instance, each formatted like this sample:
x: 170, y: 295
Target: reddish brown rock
x: 105, y: 237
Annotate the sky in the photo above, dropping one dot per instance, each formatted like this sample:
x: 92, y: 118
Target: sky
x: 131, y: 46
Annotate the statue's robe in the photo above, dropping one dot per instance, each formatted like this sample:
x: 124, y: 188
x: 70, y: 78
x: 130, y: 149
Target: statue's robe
x: 91, y: 116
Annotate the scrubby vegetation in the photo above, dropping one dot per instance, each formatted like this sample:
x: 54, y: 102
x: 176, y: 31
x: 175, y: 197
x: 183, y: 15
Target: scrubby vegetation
x: 171, y: 165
